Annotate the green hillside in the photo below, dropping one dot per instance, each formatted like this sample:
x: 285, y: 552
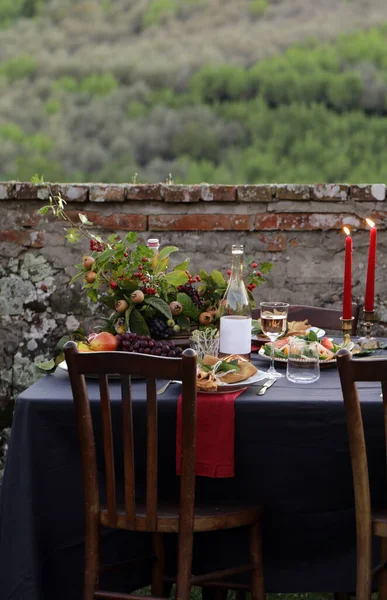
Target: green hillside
x: 206, y: 90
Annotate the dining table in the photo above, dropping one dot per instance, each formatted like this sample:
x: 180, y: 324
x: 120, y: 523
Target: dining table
x: 291, y: 455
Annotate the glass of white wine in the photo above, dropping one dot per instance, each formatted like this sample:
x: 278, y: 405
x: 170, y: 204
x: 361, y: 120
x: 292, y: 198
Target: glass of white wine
x: 274, y: 317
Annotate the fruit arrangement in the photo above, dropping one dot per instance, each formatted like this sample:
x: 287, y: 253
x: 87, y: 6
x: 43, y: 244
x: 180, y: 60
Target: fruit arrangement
x: 146, y: 296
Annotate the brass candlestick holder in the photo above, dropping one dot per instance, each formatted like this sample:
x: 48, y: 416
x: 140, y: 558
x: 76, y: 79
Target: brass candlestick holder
x: 368, y: 342
x: 346, y: 327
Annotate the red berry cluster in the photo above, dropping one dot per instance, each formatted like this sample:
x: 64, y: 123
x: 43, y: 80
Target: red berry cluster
x: 150, y: 290
x: 96, y: 246
x: 113, y: 285
x: 191, y: 278
x: 251, y: 286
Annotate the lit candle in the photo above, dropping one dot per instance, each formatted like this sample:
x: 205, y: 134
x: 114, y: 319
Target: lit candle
x: 347, y: 296
x: 369, y: 300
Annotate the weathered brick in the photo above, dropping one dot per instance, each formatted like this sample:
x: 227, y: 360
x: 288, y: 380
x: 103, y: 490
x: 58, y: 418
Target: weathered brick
x: 101, y: 192
x: 330, y: 192
x: 255, y: 193
x: 306, y: 221
x: 368, y: 193
x: 6, y: 190
x: 34, y: 239
x: 292, y: 192
x: 30, y: 191
x: 273, y: 243
x: 71, y: 192
x: 143, y: 192
x: 200, y: 222
x: 116, y: 221
x: 218, y: 193
x: 181, y: 193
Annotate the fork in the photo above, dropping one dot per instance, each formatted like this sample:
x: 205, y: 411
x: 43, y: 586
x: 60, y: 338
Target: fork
x: 166, y: 386
x: 266, y: 386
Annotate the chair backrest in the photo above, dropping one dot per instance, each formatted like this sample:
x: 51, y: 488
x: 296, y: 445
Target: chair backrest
x: 326, y: 318
x: 352, y: 371
x: 150, y: 367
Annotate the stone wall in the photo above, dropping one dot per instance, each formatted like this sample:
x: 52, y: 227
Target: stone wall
x: 298, y: 228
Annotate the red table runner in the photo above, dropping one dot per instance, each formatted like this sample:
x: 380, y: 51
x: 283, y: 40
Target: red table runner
x: 215, y: 434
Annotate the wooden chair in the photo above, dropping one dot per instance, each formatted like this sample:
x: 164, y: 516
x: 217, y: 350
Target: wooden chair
x: 368, y: 523
x: 326, y: 318
x: 183, y: 519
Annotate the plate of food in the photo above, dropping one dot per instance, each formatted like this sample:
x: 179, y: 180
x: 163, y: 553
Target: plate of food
x: 327, y: 349
x: 231, y: 373
x: 294, y: 328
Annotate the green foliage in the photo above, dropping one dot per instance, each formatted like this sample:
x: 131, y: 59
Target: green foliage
x: 258, y: 7
x: 53, y: 106
x: 19, y: 67
x: 99, y: 85
x: 66, y: 83
x: 159, y: 10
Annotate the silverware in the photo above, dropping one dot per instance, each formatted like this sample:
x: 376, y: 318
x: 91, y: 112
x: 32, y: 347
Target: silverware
x: 266, y: 386
x: 166, y: 386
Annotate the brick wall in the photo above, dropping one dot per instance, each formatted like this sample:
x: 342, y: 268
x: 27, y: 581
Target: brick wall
x: 297, y: 227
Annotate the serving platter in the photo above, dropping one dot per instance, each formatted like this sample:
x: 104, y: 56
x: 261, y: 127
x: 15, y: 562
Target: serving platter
x: 264, y: 339
x: 324, y: 364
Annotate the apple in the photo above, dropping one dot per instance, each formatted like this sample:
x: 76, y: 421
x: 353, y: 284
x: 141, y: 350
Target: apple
x: 90, y: 277
x: 138, y: 297
x: 327, y: 343
x: 88, y: 262
x: 121, y: 306
x: 205, y: 318
x: 82, y: 347
x: 104, y: 341
x: 176, y: 308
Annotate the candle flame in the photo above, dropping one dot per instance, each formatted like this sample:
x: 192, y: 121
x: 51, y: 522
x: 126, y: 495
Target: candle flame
x: 346, y: 231
x: 370, y: 223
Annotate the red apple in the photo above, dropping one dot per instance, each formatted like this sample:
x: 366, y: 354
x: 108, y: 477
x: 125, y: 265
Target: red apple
x: 88, y: 262
x: 103, y: 342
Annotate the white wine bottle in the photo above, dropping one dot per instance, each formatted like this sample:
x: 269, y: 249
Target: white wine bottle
x: 235, y: 320
x: 154, y: 244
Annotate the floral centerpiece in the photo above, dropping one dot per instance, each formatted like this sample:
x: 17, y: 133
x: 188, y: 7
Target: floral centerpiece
x: 147, y: 296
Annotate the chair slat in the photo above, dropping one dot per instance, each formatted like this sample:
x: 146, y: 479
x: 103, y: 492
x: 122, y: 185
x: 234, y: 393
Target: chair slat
x: 108, y: 450
x: 151, y: 455
x: 128, y: 448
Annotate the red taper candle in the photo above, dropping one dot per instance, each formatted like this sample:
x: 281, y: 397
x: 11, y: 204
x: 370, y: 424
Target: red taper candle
x: 369, y: 300
x: 347, y: 296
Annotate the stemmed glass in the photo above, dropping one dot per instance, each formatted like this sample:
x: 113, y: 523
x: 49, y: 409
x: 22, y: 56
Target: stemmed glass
x: 274, y: 316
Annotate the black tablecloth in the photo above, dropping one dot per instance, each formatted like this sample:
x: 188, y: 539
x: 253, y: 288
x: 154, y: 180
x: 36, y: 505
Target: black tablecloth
x: 291, y: 453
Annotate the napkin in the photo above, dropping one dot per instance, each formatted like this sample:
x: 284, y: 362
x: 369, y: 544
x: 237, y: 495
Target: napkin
x: 215, y: 434
x: 255, y: 347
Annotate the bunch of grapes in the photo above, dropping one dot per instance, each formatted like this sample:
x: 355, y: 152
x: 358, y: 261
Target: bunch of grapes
x: 95, y: 245
x: 131, y: 342
x: 158, y: 328
x: 192, y: 292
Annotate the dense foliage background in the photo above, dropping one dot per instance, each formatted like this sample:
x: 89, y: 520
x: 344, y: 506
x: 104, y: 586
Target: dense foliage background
x: 206, y: 90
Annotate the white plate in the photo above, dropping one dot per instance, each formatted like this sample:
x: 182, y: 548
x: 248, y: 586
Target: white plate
x: 319, y: 332
x: 323, y: 363
x: 258, y: 376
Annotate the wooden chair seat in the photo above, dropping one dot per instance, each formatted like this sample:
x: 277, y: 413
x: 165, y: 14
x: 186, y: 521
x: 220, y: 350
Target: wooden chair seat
x: 379, y: 522
x: 206, y: 518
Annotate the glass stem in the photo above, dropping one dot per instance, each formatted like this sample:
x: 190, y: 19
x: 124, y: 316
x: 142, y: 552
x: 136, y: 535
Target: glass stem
x: 272, y: 357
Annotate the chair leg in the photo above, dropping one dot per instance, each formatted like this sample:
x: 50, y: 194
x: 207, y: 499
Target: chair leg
x: 91, y: 558
x: 240, y: 595
x: 158, y: 565
x: 382, y: 577
x: 257, y: 581
x: 221, y: 594
x: 184, y: 566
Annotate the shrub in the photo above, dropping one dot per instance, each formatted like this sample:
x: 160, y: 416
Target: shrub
x: 159, y: 11
x: 99, y: 85
x: 19, y: 67
x: 258, y: 7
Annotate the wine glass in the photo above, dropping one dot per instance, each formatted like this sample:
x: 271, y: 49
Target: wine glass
x: 274, y: 316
